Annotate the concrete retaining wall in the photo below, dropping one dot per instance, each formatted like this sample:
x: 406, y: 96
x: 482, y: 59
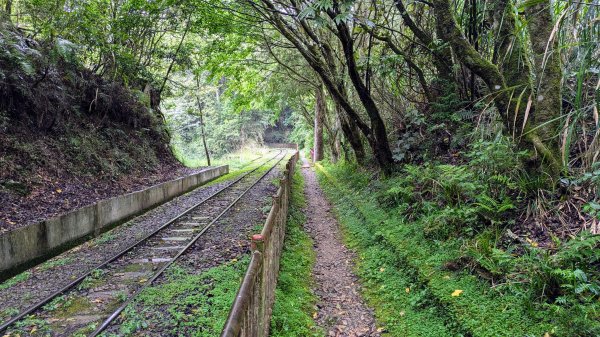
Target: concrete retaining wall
x: 36, y: 240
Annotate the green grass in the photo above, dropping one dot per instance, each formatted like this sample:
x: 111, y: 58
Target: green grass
x: 15, y: 280
x: 236, y: 160
x: 294, y: 300
x: 188, y: 304
x: 57, y: 262
x: 405, y: 277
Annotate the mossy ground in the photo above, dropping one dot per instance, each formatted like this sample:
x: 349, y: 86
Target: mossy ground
x: 188, y: 304
x: 406, y: 276
x: 294, y: 300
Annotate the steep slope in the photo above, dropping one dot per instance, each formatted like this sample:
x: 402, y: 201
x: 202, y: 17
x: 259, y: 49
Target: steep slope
x: 69, y: 137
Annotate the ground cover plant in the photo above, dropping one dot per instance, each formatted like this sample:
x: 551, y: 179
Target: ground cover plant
x: 438, y: 254
x: 187, y: 303
x: 294, y: 300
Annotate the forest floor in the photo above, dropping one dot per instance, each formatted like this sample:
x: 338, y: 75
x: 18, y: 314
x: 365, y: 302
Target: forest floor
x: 341, y: 310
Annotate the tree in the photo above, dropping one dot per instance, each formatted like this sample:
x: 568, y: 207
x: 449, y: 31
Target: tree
x: 529, y: 131
x: 318, y: 53
x: 320, y: 112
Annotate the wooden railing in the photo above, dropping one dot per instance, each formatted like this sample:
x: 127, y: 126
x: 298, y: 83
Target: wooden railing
x: 250, y: 314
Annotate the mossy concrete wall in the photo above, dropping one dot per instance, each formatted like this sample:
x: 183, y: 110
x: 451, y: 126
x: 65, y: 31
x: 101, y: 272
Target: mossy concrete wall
x: 31, y: 242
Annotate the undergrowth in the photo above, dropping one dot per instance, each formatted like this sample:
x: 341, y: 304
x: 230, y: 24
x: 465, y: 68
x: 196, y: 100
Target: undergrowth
x: 437, y: 257
x: 188, y: 304
x: 58, y: 118
x: 294, y: 300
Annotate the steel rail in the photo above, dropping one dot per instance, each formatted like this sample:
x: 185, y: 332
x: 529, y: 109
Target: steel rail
x: 124, y: 305
x: 73, y: 283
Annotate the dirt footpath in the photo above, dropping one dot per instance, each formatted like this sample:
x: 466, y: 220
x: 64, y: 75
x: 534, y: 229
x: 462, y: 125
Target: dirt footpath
x: 341, y: 310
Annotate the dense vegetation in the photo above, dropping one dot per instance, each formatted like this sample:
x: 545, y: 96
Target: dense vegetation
x: 61, y: 122
x: 468, y: 127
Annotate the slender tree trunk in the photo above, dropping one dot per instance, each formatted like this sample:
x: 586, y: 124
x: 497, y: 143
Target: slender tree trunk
x: 441, y: 55
x: 320, y: 107
x: 204, y: 138
x: 8, y: 8
x: 202, y: 131
x: 334, y: 141
x: 174, y: 58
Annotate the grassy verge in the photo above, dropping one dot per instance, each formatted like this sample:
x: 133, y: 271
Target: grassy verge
x: 294, y: 300
x: 188, y: 304
x: 408, y: 274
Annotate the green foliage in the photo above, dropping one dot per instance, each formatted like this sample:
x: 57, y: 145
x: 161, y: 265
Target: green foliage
x: 483, y: 250
x: 500, y: 165
x: 536, y: 291
x: 294, y: 300
x: 24, y: 276
x: 54, y: 263
x: 591, y: 179
x: 226, y: 129
x: 189, y: 304
x: 95, y: 278
x: 8, y: 312
x: 60, y: 301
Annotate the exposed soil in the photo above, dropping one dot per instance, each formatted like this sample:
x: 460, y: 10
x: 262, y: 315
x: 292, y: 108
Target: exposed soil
x: 341, y: 310
x: 69, y: 137
x: 59, y: 195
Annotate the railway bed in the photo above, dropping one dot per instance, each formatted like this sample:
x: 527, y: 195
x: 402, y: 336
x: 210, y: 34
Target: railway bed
x: 112, y: 284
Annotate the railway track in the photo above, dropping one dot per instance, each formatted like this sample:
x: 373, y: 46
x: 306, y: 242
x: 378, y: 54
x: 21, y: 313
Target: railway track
x: 101, y: 294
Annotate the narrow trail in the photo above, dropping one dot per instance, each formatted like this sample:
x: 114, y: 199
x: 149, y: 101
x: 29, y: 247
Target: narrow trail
x: 341, y: 310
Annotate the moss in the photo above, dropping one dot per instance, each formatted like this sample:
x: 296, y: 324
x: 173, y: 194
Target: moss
x: 15, y: 280
x: 294, y: 300
x: 187, y: 304
x: 72, y: 307
x: 395, y: 253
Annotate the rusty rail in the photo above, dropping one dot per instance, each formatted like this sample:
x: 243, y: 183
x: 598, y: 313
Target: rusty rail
x: 250, y: 314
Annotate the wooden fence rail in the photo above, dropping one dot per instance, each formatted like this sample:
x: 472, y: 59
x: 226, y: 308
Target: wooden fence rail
x: 250, y: 314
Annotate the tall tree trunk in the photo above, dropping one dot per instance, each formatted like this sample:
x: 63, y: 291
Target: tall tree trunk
x: 202, y: 131
x: 548, y: 74
x: 352, y: 135
x: 511, y: 58
x: 378, y: 141
x: 497, y: 85
x: 334, y: 142
x: 320, y: 107
x: 8, y: 8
